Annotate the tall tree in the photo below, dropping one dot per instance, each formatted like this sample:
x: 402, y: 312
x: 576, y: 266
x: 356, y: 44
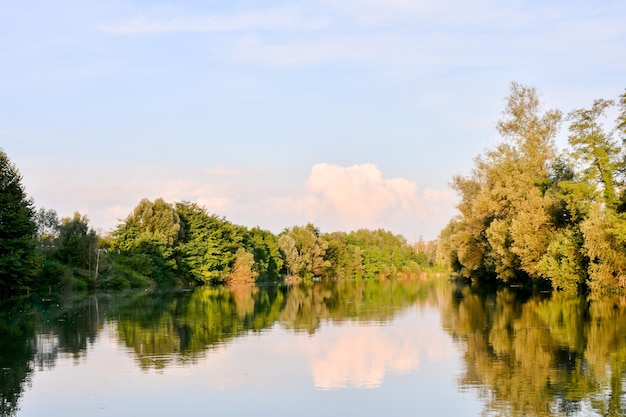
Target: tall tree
x: 18, y: 260
x: 502, y: 227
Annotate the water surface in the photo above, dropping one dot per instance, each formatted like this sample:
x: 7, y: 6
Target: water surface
x: 369, y: 348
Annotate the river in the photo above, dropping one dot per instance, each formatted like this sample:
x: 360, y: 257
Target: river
x: 427, y: 347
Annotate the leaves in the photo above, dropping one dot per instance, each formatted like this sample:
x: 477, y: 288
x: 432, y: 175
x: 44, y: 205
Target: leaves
x: 529, y: 214
x: 18, y: 259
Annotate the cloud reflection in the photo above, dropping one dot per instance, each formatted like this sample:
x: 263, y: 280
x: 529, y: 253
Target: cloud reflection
x: 359, y: 357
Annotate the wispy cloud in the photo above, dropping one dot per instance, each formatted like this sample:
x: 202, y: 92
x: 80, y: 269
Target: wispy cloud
x: 272, y: 20
x: 430, y: 13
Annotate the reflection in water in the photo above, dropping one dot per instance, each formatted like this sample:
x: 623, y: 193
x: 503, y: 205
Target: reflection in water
x: 32, y: 334
x: 17, y: 349
x: 541, y: 356
x: 182, y: 326
x: 359, y: 357
x: 521, y: 354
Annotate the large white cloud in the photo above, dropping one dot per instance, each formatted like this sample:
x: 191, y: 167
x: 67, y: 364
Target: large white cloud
x: 358, y: 196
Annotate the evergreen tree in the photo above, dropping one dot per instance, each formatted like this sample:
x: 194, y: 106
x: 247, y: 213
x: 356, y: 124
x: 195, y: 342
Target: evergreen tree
x: 18, y: 261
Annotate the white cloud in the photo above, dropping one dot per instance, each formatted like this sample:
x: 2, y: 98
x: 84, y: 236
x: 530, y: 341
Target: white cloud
x: 280, y: 19
x: 359, y: 197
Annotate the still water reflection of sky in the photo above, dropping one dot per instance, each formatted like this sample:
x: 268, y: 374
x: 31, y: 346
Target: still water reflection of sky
x: 405, y: 367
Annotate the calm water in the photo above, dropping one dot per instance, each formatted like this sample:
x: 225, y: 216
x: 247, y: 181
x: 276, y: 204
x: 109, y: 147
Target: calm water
x: 424, y: 347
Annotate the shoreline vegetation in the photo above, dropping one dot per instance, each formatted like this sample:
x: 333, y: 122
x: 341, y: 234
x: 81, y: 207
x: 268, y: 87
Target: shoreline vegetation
x: 530, y: 215
x: 181, y: 244
x: 533, y: 215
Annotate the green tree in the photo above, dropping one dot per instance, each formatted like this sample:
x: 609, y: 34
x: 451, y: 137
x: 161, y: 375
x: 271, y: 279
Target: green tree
x: 18, y: 258
x: 148, y: 237
x: 77, y: 242
x: 267, y: 256
x: 304, y: 251
x: 383, y: 254
x: 209, y: 245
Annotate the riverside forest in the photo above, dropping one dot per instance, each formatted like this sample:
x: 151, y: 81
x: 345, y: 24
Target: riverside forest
x: 529, y: 214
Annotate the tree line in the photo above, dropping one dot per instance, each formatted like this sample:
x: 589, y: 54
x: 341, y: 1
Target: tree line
x: 181, y: 243
x: 530, y: 213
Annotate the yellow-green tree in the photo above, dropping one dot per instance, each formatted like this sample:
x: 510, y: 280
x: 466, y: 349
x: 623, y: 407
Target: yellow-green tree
x: 503, y: 226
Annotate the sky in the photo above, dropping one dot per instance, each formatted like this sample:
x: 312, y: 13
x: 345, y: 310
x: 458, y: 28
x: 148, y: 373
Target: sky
x: 345, y: 113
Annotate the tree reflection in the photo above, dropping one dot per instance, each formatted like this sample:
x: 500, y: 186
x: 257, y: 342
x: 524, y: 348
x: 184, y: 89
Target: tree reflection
x: 181, y: 326
x: 538, y: 355
x: 17, y: 349
x: 34, y: 331
x: 524, y: 354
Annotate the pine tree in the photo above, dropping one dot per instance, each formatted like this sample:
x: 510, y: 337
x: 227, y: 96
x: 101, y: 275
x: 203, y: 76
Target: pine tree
x: 18, y: 260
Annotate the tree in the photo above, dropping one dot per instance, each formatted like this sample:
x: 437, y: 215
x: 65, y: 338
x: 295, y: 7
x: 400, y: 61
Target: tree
x: 596, y: 149
x: 603, y: 166
x: 150, y: 235
x: 304, y: 251
x: 209, y: 245
x: 503, y: 228
x: 18, y: 259
x: 48, y: 226
x: 77, y: 242
x: 243, y: 269
x: 267, y: 256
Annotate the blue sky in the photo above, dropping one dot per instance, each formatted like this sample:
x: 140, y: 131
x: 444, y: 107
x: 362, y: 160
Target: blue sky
x: 346, y: 113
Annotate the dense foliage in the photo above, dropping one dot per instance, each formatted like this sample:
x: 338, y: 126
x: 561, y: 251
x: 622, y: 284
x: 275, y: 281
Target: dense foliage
x: 18, y: 258
x: 528, y: 213
x: 183, y: 242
